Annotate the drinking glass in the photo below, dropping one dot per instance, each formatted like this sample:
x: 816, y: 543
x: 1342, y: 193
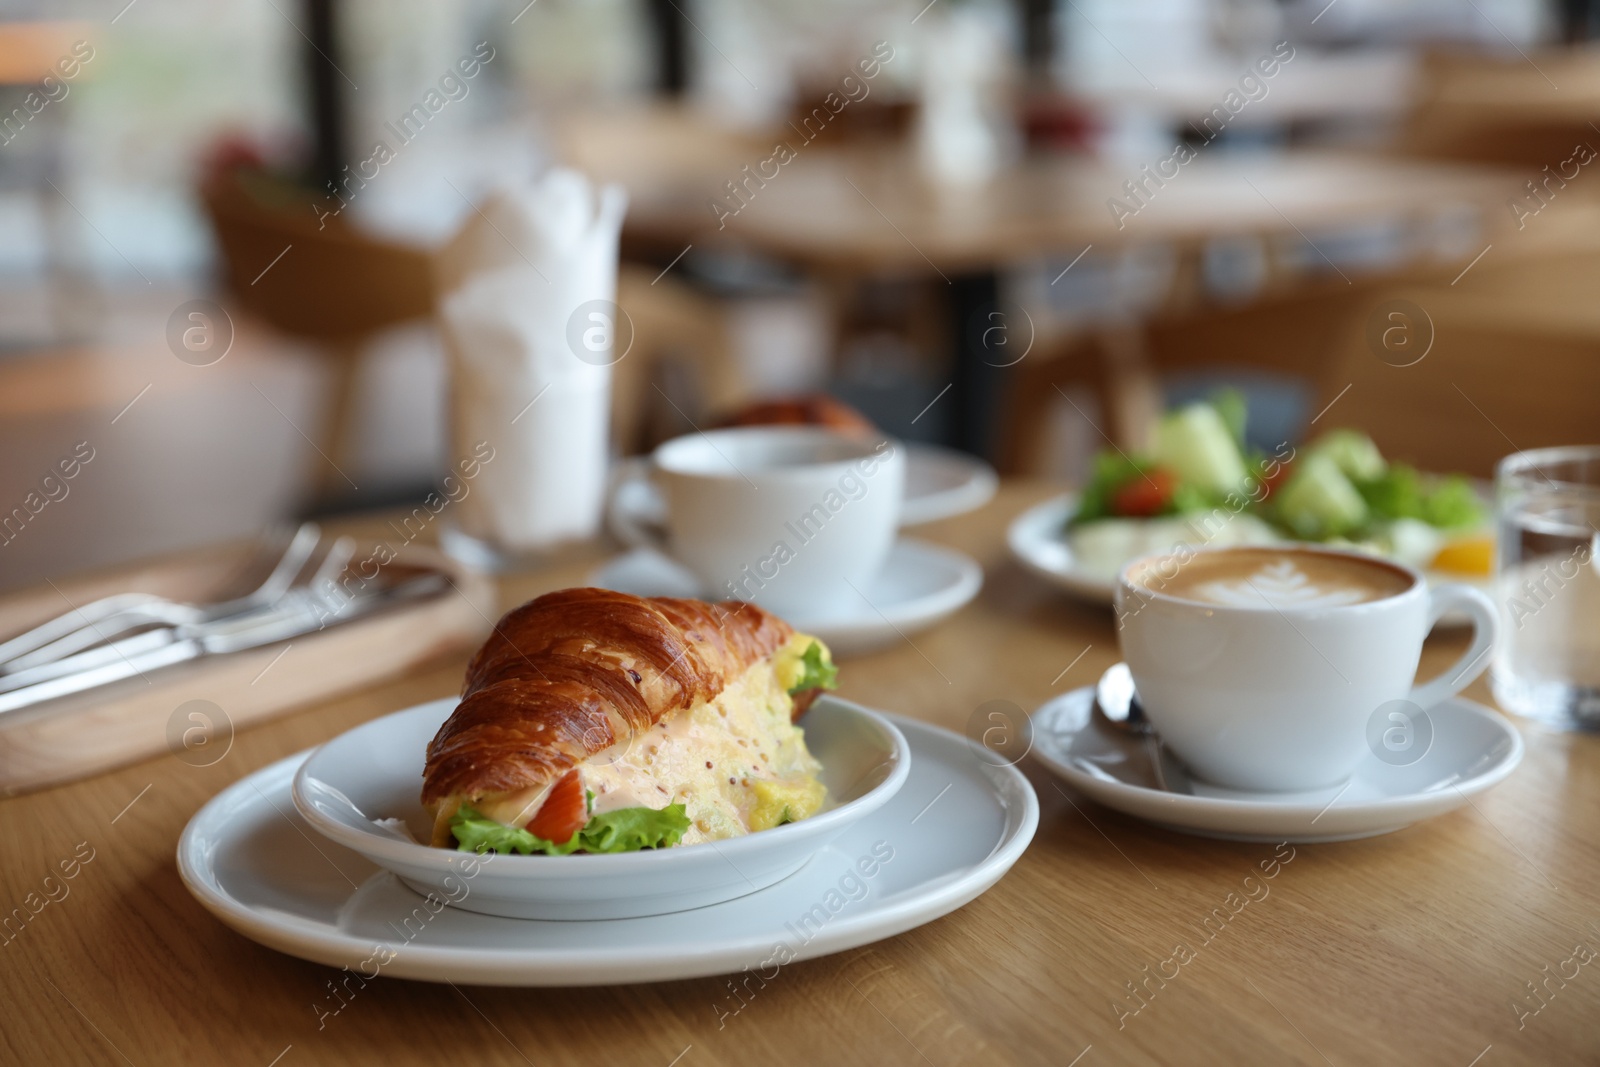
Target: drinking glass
x: 1547, y: 666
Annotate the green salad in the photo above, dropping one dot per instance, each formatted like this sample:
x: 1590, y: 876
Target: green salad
x: 623, y: 830
x: 1336, y: 489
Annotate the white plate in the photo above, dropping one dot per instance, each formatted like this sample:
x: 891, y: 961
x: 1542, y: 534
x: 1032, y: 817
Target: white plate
x: 919, y: 585
x: 375, y: 772
x: 1038, y: 541
x: 1473, y: 748
x: 940, y: 482
x: 955, y: 827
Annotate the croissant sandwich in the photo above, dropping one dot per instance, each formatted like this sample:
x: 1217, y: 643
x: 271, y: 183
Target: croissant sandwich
x: 595, y: 721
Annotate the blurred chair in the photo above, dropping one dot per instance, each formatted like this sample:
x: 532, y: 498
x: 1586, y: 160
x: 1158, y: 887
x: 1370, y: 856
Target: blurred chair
x: 181, y: 456
x: 330, y: 283
x: 1504, y: 373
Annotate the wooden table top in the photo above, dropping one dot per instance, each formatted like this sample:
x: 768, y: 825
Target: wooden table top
x: 1416, y: 947
x: 869, y: 209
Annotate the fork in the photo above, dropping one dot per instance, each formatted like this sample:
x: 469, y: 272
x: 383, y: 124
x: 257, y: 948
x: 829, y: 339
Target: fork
x: 187, y: 627
x: 299, y: 611
x: 81, y: 628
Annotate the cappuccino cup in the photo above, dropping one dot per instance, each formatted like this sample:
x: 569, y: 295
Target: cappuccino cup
x: 1264, y: 667
x: 796, y: 519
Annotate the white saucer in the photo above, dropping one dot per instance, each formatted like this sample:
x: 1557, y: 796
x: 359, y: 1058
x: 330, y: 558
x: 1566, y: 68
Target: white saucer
x: 1037, y: 539
x: 954, y: 828
x: 1473, y: 748
x: 940, y: 482
x: 919, y: 585
x: 374, y: 772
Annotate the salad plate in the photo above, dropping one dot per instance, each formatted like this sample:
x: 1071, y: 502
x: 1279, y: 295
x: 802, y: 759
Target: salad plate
x: 1201, y: 485
x: 1472, y: 749
x: 1038, y: 539
x: 361, y: 790
x: 953, y: 829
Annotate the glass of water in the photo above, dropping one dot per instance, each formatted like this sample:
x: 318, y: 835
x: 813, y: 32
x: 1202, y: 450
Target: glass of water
x: 1547, y: 665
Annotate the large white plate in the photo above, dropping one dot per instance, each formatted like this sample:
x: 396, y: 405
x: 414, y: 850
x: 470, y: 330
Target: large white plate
x: 1037, y: 539
x: 940, y: 482
x: 375, y: 772
x: 1471, y: 749
x: 920, y: 584
x: 951, y: 832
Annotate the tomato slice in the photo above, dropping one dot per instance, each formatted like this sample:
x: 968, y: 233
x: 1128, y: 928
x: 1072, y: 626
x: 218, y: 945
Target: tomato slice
x: 564, y: 812
x: 1145, y: 495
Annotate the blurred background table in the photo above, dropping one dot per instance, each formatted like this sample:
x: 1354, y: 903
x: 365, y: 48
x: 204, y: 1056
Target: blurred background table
x: 1414, y: 947
x: 847, y: 215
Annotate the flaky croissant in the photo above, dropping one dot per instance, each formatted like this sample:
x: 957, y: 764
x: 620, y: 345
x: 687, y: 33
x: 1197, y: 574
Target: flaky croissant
x: 581, y: 672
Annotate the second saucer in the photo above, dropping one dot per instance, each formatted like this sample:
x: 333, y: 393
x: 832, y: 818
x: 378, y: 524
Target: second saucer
x: 1472, y: 749
x: 919, y: 584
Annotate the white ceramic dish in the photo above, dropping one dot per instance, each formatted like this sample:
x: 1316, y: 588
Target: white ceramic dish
x: 940, y: 482
x: 1473, y: 748
x: 921, y: 584
x: 375, y: 772
x: 1037, y: 541
x: 954, y: 828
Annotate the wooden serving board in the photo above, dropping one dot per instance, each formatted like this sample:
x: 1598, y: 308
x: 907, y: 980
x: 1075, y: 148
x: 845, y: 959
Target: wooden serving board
x: 75, y: 736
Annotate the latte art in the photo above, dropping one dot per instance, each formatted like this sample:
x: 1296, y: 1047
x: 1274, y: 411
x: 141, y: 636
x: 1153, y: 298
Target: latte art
x: 1284, y: 579
x: 1279, y: 585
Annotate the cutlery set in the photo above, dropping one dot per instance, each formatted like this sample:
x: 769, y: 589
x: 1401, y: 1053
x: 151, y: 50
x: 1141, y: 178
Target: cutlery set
x: 126, y: 634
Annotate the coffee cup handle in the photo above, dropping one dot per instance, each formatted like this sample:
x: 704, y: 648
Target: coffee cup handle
x: 1485, y: 627
x: 630, y: 525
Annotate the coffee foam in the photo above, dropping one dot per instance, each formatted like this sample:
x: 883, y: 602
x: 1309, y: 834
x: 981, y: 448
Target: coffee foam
x: 1277, y: 578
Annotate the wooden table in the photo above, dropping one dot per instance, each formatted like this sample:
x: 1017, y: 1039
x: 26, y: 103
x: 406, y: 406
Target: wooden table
x: 1411, y: 948
x: 870, y: 209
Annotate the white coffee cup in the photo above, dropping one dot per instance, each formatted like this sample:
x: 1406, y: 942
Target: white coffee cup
x: 1277, y: 682
x: 793, y: 518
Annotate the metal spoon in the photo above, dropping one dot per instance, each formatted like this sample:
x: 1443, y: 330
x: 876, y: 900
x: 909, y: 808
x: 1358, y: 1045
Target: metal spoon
x: 1116, y: 702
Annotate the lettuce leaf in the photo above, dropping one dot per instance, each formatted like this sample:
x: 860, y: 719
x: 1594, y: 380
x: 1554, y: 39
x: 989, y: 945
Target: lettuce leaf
x: 631, y: 829
x: 1402, y: 493
x: 1110, y: 472
x: 623, y: 830
x: 817, y: 673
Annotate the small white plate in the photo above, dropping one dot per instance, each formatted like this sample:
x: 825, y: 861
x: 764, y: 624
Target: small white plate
x: 940, y: 482
x: 920, y: 584
x: 955, y: 827
x: 375, y: 772
x: 1037, y: 539
x: 1473, y: 748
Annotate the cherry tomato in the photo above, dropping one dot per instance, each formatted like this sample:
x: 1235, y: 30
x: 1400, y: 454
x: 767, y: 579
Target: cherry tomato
x: 564, y: 812
x: 1145, y: 495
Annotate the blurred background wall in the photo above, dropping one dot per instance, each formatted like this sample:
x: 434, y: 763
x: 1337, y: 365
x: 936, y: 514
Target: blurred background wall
x: 158, y: 175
